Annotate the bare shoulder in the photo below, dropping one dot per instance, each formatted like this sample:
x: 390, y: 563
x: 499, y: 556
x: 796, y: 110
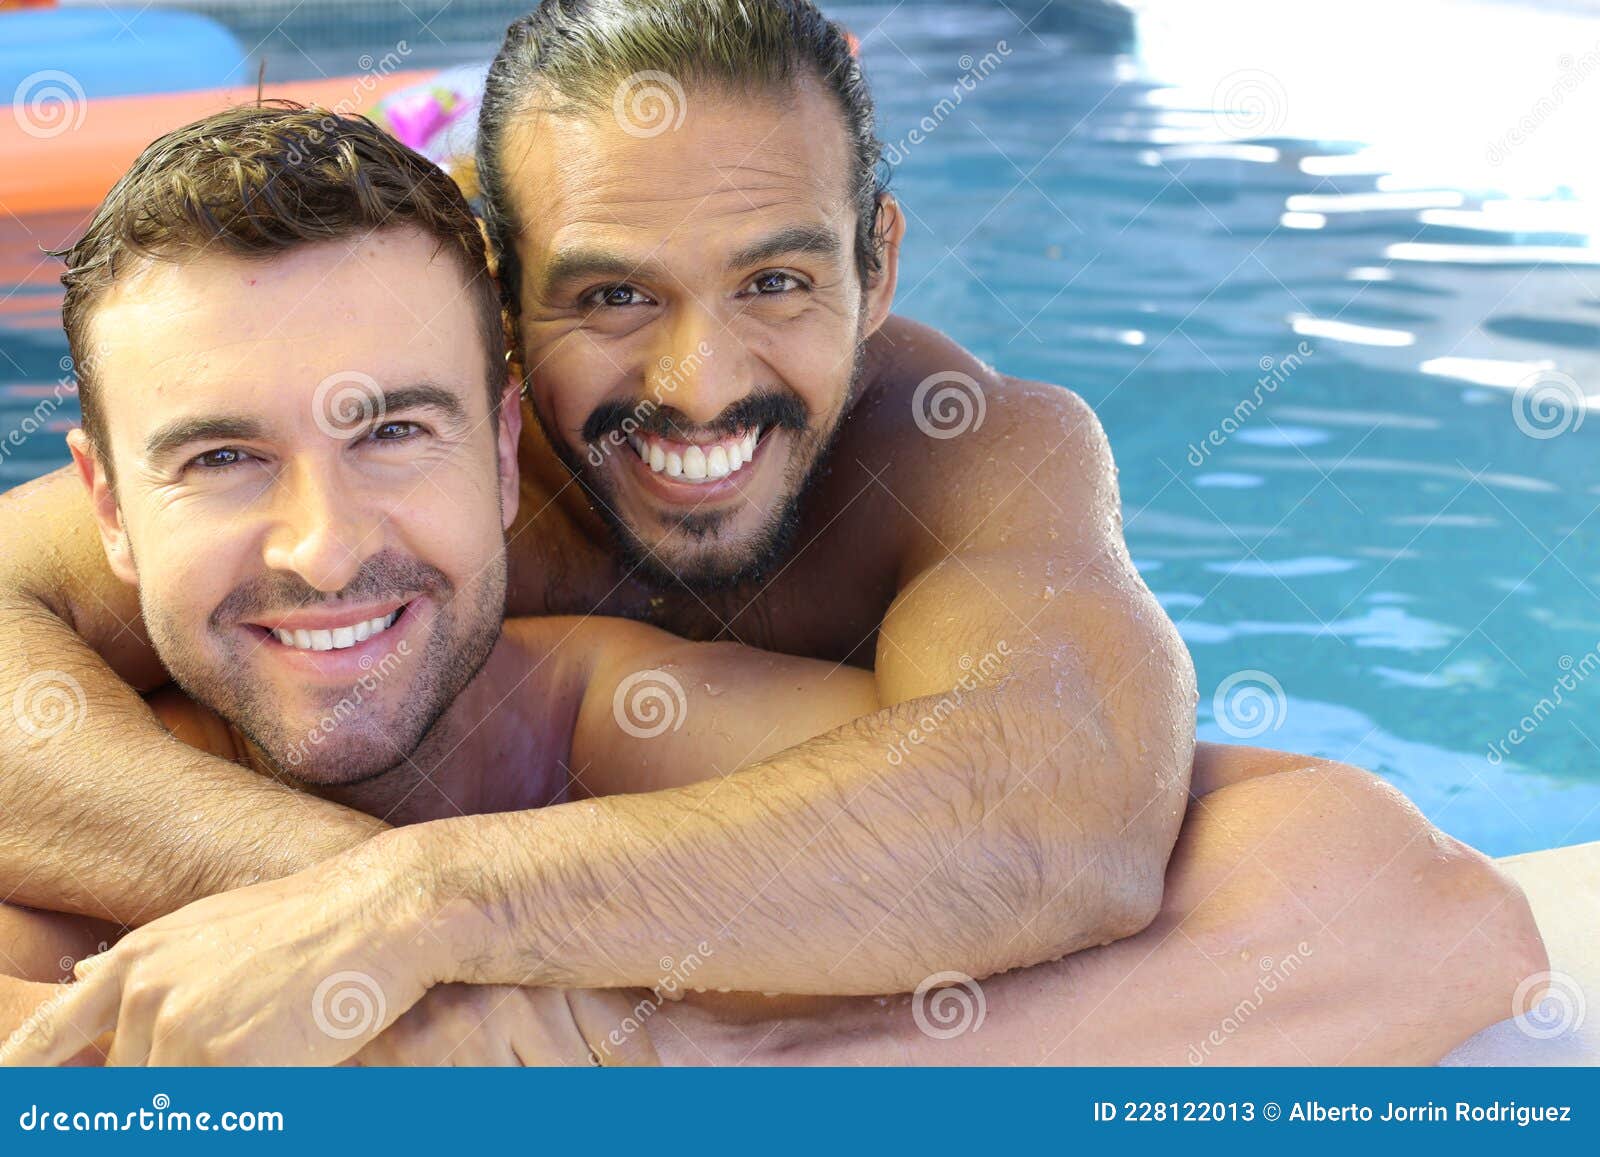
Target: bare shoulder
x: 954, y: 434
x: 567, y: 650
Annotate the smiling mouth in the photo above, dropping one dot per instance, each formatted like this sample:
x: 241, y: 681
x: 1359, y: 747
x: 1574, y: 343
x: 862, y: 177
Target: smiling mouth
x: 700, y: 462
x: 334, y: 637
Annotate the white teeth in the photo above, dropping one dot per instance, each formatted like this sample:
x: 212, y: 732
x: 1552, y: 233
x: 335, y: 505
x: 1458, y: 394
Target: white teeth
x: 338, y: 638
x: 699, y: 463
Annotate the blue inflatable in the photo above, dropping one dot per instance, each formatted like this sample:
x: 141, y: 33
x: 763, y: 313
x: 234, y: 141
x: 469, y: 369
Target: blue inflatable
x: 115, y: 52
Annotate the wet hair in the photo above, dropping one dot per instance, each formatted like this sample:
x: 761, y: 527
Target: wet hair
x: 257, y: 181
x: 576, y: 57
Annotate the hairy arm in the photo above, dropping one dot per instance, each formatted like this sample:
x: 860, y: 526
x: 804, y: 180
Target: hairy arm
x: 102, y: 812
x: 1009, y: 793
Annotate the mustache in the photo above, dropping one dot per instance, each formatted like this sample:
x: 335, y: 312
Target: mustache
x: 767, y: 409
x: 387, y: 574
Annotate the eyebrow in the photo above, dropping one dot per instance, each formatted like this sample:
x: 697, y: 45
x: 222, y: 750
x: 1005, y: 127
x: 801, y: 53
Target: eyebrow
x: 580, y: 264
x: 182, y: 432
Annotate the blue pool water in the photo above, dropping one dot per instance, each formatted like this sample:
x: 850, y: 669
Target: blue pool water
x: 1338, y: 319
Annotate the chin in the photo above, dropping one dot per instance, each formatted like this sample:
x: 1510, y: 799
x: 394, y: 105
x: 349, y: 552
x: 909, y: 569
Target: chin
x: 333, y: 764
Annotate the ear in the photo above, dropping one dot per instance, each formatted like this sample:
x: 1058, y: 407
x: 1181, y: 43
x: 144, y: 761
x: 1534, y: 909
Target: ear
x: 889, y: 232
x: 506, y: 451
x: 103, y: 501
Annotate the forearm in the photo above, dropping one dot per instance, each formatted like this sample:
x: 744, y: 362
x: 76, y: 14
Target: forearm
x: 851, y: 864
x: 103, y: 813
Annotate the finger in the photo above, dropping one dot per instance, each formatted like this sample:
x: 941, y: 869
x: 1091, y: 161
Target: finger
x: 133, y: 1042
x: 606, y: 1018
x: 59, y: 1032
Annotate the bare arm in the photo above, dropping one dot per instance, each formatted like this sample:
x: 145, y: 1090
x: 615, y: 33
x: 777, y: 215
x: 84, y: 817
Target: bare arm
x: 1010, y: 794
x: 102, y: 812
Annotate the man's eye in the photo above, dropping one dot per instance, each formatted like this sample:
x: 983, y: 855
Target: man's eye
x: 219, y: 459
x: 615, y: 295
x: 395, y: 431
x: 775, y: 282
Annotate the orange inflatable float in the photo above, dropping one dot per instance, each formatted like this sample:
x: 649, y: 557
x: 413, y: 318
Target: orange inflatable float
x: 70, y: 164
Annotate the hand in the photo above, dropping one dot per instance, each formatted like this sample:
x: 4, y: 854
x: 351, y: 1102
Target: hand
x: 304, y: 970
x: 495, y: 1024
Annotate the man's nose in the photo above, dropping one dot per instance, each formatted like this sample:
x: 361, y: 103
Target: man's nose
x: 321, y: 531
x: 698, y: 367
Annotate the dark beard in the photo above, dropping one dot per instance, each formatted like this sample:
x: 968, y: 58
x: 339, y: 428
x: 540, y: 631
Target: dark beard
x: 718, y: 572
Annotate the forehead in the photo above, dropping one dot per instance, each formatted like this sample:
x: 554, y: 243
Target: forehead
x: 733, y: 161
x: 183, y: 334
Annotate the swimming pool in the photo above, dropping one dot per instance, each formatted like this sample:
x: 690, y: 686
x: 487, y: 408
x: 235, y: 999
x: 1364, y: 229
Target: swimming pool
x: 1302, y: 298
